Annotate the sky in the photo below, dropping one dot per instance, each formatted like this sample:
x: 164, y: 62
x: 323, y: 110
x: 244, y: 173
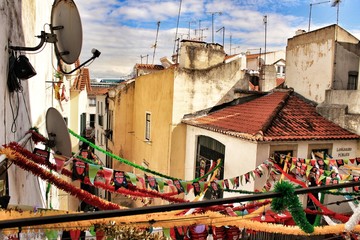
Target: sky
x: 125, y: 31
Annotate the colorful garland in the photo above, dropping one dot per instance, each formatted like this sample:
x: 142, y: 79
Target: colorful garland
x: 24, y: 163
x: 326, y: 211
x: 290, y: 201
x: 131, y: 191
x: 136, y: 165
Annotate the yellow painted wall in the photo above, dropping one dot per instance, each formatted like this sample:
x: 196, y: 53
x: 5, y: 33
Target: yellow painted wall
x: 154, y: 94
x: 123, y: 109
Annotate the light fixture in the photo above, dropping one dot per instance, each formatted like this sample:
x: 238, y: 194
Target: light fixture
x: 263, y: 216
x: 23, y: 68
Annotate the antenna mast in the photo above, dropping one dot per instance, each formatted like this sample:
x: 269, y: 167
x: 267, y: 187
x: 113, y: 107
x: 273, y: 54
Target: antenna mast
x: 336, y: 3
x: 155, y: 45
x: 177, y: 27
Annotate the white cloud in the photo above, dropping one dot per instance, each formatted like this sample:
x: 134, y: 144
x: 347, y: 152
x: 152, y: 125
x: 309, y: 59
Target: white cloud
x: 125, y: 30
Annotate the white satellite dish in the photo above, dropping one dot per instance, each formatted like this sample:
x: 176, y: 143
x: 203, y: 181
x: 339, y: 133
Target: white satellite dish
x: 66, y: 25
x: 59, y: 137
x: 66, y: 34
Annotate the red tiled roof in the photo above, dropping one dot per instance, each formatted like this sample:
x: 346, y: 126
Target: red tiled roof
x: 149, y: 66
x: 82, y: 81
x: 277, y: 116
x: 98, y: 90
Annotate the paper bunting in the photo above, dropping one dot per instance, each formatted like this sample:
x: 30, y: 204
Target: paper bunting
x: 59, y: 161
x: 197, y: 188
x: 179, y: 187
x: 107, y: 173
x: 93, y: 170
x: 79, y: 170
x: 120, y: 179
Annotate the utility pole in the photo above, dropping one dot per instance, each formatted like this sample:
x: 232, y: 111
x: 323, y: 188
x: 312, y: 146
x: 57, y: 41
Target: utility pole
x: 212, y: 24
x: 311, y: 4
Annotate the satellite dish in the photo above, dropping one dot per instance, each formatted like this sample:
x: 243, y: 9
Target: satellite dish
x: 66, y: 34
x: 66, y: 25
x: 59, y: 137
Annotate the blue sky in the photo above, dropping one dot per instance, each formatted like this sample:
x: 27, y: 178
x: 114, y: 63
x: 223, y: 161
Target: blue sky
x: 125, y: 30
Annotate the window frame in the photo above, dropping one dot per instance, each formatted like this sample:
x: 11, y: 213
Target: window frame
x: 147, y: 135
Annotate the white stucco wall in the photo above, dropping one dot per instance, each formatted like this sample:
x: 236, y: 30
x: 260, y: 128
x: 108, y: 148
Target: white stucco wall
x: 21, y: 21
x: 243, y: 156
x: 239, y: 155
x: 309, y: 68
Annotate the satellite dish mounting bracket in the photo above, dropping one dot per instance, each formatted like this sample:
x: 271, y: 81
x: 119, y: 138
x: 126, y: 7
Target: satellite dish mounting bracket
x: 45, y: 37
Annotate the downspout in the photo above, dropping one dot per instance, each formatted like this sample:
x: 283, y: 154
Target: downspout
x: 334, y: 60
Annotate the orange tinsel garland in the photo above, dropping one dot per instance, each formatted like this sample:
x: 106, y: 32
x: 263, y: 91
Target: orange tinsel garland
x: 30, y: 166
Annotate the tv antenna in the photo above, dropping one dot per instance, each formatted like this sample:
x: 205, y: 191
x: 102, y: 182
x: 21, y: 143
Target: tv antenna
x: 336, y: 3
x: 311, y: 5
x: 223, y: 38
x: 212, y: 24
x: 155, y: 45
x: 66, y: 35
x: 143, y: 56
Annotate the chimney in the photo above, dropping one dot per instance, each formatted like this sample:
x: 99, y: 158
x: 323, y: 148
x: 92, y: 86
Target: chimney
x: 299, y: 32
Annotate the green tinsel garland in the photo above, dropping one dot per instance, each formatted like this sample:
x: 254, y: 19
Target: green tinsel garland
x: 135, y: 165
x: 290, y: 201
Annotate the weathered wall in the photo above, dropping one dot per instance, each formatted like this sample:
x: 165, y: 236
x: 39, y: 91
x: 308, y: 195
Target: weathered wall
x: 341, y: 107
x: 200, y: 89
x: 309, y: 63
x: 200, y: 55
x: 320, y: 60
x: 346, y: 61
x: 21, y: 21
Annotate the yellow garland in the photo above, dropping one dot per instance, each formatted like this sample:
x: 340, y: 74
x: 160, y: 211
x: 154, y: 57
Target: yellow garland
x: 171, y: 219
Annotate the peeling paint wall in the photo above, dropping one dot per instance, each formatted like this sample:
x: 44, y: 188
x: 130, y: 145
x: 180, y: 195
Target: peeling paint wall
x: 309, y: 64
x: 316, y: 62
x: 207, y: 85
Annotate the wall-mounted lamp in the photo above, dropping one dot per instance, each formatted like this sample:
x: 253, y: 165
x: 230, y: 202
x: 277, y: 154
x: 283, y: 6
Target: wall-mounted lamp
x: 23, y: 68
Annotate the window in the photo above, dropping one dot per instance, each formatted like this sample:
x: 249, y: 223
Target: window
x: 319, y: 151
x: 209, y: 151
x: 92, y: 102
x: 82, y: 124
x: 352, y: 80
x: 109, y: 130
x: 92, y: 120
x: 147, y: 126
x: 280, y: 152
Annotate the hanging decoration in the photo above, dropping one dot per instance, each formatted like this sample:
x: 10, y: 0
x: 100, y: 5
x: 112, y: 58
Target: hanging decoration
x: 120, y: 180
x: 133, y: 164
x: 27, y: 165
x: 290, y: 201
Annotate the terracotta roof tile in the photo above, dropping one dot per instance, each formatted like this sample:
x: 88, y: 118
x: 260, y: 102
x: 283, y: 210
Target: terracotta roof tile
x: 277, y: 116
x: 82, y: 80
x: 149, y: 66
